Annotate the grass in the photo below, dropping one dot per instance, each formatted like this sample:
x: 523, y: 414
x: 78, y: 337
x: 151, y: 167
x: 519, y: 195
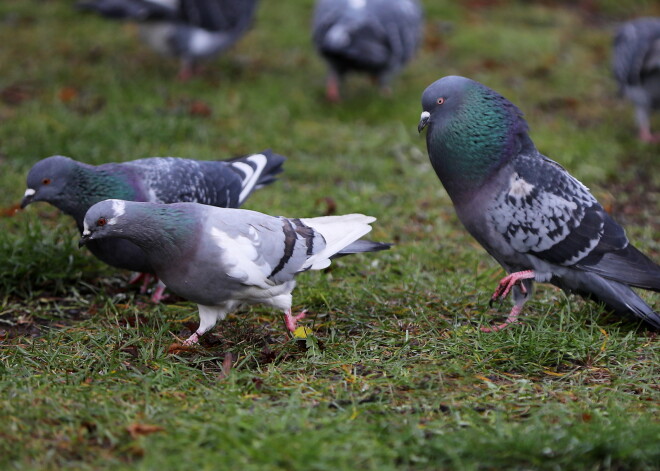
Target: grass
x: 397, y: 374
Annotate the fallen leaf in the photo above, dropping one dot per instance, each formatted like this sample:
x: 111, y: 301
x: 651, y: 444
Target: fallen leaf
x: 135, y: 430
x: 179, y: 347
x: 10, y: 211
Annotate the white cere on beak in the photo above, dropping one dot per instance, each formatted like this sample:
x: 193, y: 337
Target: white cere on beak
x: 425, y: 115
x: 29, y: 192
x: 86, y: 230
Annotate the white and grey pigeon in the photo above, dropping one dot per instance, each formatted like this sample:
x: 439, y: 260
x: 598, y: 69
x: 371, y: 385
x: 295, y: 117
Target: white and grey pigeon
x: 530, y: 214
x: 190, y: 30
x: 636, y: 63
x: 223, y: 258
x: 377, y: 37
x: 74, y: 187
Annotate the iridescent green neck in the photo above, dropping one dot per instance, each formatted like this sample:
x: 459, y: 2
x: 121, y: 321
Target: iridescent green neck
x: 479, y: 138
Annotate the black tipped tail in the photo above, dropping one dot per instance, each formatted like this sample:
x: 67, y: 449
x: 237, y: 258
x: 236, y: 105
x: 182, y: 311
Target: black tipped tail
x: 361, y: 246
x: 257, y: 171
x: 126, y: 9
x: 619, y: 297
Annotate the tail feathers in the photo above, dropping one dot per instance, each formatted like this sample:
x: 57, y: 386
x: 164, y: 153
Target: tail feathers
x: 339, y: 232
x: 257, y: 171
x: 629, y: 266
x: 138, y: 10
x: 362, y: 246
x: 617, y: 296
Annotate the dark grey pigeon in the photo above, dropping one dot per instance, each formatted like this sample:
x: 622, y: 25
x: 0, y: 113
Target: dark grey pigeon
x: 188, y: 29
x: 74, y: 187
x: 636, y: 64
x: 223, y: 258
x: 535, y: 219
x: 377, y: 37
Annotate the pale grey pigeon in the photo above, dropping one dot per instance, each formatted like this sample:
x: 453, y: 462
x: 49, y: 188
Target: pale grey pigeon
x: 535, y: 219
x: 74, y: 187
x: 377, y: 37
x: 188, y: 29
x: 636, y: 63
x: 223, y: 258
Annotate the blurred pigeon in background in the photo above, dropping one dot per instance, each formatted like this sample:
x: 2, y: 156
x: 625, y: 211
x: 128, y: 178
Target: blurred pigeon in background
x: 188, y: 29
x: 535, y: 219
x: 73, y: 187
x: 636, y: 63
x: 224, y: 258
x: 377, y: 37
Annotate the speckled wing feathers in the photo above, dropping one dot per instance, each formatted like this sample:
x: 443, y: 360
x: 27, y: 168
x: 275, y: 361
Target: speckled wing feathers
x: 545, y: 211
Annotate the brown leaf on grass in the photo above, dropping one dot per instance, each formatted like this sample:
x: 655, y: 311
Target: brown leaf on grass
x: 66, y: 94
x: 330, y: 205
x: 9, y: 211
x: 199, y: 108
x: 226, y: 366
x: 178, y: 348
x: 136, y: 430
x: 16, y: 94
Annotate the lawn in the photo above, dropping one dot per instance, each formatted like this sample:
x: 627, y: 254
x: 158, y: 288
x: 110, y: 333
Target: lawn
x: 397, y: 374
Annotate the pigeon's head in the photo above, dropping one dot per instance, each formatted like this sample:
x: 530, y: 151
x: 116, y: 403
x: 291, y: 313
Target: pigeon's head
x: 48, y: 180
x: 471, y: 129
x: 105, y: 219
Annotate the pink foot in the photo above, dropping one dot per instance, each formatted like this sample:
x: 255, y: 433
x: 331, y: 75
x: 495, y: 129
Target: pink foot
x: 512, y: 319
x: 158, y: 294
x: 291, y: 320
x: 192, y: 340
x: 332, y: 90
x: 509, y: 281
x: 647, y: 136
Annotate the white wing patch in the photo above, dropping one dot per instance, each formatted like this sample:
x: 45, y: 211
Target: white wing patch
x: 241, y: 257
x: 357, y: 4
x: 251, y: 174
x: 519, y: 188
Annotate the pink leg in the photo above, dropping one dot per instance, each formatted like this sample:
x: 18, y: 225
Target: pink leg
x: 291, y: 320
x: 146, y: 279
x: 513, y: 317
x: 509, y: 281
x: 332, y: 89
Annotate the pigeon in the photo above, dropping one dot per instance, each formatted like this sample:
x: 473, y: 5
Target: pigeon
x: 221, y: 258
x: 636, y: 63
x: 188, y: 29
x: 74, y: 187
x: 374, y: 36
x: 527, y: 211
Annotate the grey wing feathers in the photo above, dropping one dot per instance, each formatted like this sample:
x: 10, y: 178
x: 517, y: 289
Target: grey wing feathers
x: 546, y: 212
x: 216, y: 183
x: 137, y: 10
x: 218, y: 15
x: 633, y: 44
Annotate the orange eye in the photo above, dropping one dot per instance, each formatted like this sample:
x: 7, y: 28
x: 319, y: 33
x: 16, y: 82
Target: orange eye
x: 441, y: 100
x: 101, y: 222
x: 46, y: 181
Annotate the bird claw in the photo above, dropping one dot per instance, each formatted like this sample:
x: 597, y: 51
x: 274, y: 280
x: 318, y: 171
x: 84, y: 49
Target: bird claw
x: 508, y: 282
x: 291, y: 320
x: 512, y: 319
x: 192, y: 340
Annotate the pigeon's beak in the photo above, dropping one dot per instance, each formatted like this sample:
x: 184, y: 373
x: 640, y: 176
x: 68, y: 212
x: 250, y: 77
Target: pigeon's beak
x: 86, y: 237
x: 423, y: 120
x: 27, y: 197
